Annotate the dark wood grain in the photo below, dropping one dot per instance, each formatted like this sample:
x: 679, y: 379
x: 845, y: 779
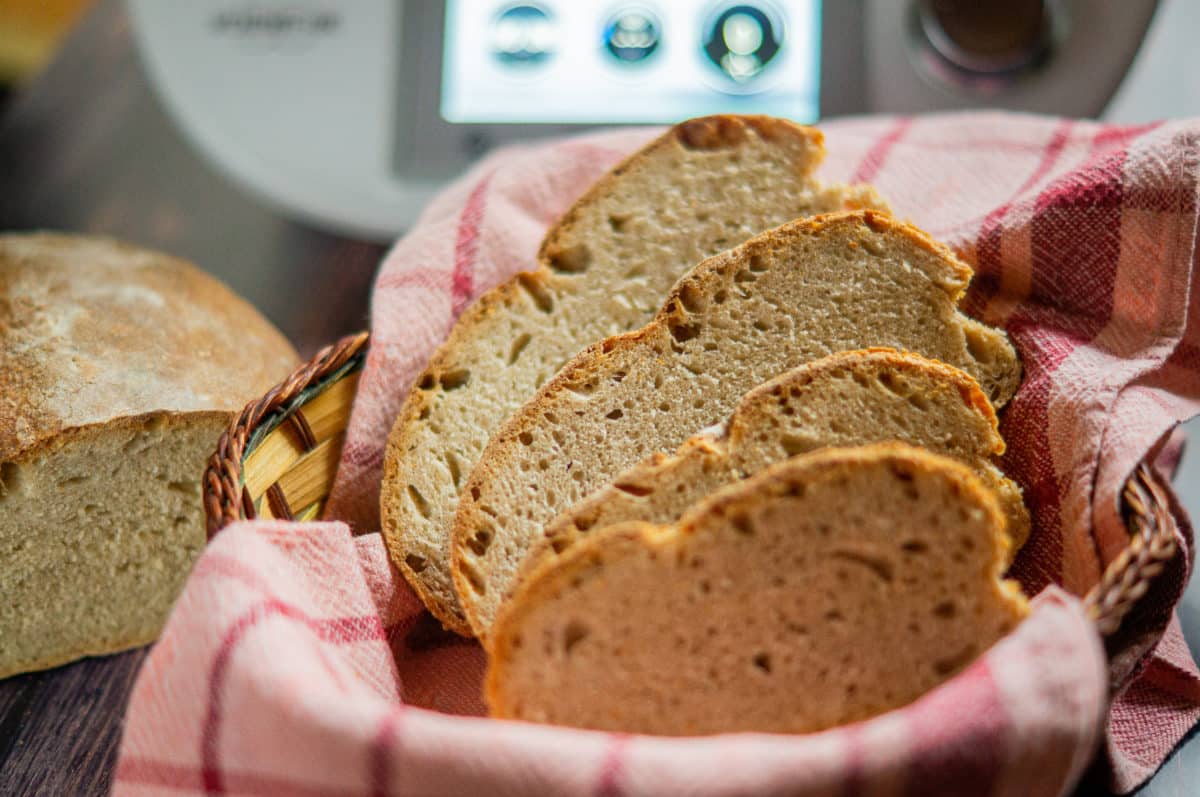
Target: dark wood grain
x: 59, y: 729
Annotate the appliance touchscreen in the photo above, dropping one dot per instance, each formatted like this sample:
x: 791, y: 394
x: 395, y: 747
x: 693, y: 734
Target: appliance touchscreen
x: 587, y: 62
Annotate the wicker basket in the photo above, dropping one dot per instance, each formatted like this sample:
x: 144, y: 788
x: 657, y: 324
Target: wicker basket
x: 279, y: 456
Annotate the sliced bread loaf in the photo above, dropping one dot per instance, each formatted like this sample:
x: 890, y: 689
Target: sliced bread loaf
x: 846, y: 399
x: 704, y: 186
x: 829, y: 588
x: 119, y: 369
x: 797, y: 293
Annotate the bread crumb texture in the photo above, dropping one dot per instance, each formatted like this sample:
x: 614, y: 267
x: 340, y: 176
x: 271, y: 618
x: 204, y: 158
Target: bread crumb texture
x: 803, y: 291
x: 846, y: 399
x: 604, y: 267
x: 827, y: 589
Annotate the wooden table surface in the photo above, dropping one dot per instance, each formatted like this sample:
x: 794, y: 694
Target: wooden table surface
x: 87, y: 147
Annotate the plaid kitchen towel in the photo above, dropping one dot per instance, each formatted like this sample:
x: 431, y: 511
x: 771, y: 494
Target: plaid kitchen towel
x: 297, y: 661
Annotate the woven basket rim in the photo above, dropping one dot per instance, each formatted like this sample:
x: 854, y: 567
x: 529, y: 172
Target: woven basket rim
x: 1125, y: 581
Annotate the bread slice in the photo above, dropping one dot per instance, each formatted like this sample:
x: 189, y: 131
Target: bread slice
x: 704, y: 186
x: 846, y: 399
x: 794, y: 294
x: 119, y: 369
x: 829, y: 588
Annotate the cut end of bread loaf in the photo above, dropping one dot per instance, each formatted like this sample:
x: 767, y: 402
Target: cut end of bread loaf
x: 98, y: 533
x: 803, y: 291
x: 828, y: 589
x: 603, y: 268
x: 846, y: 399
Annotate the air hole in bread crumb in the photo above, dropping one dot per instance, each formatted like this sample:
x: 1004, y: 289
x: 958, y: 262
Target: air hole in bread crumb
x: 914, y: 546
x: 761, y: 326
x: 475, y: 493
x: 691, y: 298
x: 664, y: 406
x: 890, y: 381
x: 415, y: 563
x: 518, y: 346
x: 543, y: 464
x: 480, y: 541
x: 571, y: 260
x: 618, y: 222
x: 758, y: 263
x: 452, y: 380
x: 616, y: 414
x: 526, y: 438
x: 559, y: 437
x: 427, y: 382
x: 744, y: 276
x: 560, y: 544
x: 574, y: 633
x: 881, y: 567
x: 763, y: 662
x: 682, y: 333
x: 720, y: 296
x: 536, y: 291
x: 418, y: 501
x: 919, y: 401
x: 946, y: 610
x: 741, y: 524
x: 951, y: 664
x: 637, y: 490
x: 424, y: 414
x: 834, y: 616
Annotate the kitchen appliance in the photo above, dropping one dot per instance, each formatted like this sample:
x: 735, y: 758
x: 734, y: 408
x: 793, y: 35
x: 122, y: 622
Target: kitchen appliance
x: 351, y: 114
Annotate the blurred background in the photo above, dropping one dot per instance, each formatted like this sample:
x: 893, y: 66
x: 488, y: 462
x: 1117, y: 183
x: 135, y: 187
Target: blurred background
x: 282, y: 144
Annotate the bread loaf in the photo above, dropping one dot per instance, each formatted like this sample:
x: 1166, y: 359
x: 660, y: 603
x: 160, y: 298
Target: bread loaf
x: 704, y: 186
x: 846, y: 399
x: 119, y: 368
x: 829, y: 588
x: 794, y: 294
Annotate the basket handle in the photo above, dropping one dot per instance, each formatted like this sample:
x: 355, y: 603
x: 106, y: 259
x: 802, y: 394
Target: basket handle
x: 1128, y: 577
x: 225, y: 497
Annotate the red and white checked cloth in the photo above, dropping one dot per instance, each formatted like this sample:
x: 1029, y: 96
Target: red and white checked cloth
x: 297, y: 661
